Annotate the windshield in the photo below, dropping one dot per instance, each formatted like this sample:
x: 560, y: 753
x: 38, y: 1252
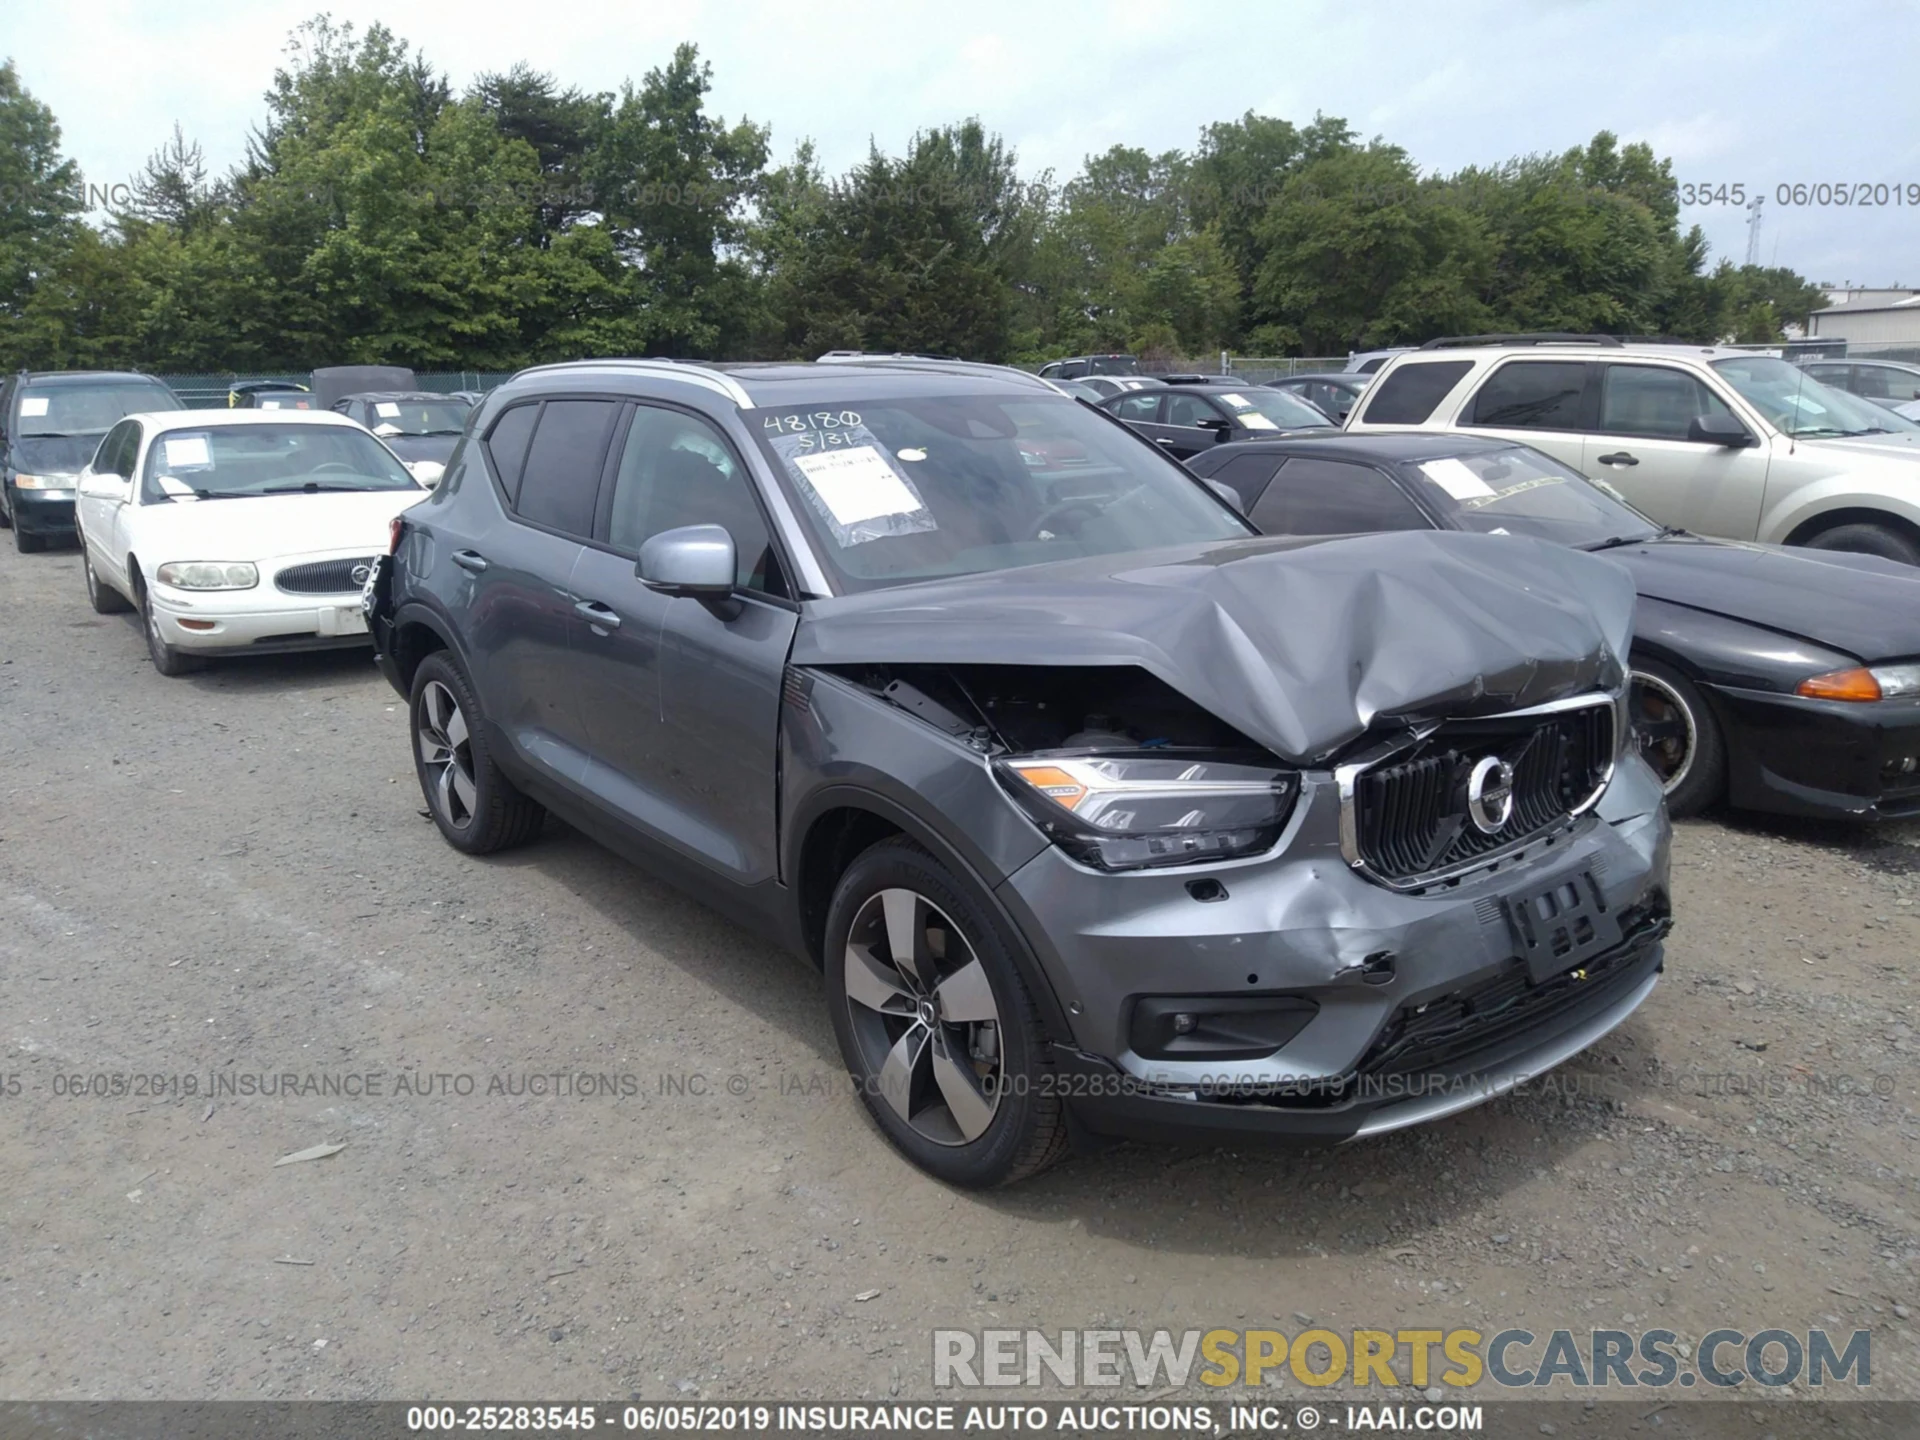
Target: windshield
x: 1797, y: 404
x: 1261, y: 409
x: 419, y: 417
x: 900, y: 490
x: 88, y: 409
x: 1517, y: 491
x: 227, y: 462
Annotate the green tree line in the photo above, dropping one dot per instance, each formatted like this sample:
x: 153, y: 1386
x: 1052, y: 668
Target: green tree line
x: 379, y: 216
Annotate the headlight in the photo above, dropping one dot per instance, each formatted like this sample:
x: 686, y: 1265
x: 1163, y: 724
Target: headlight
x: 427, y: 472
x: 207, y: 575
x: 44, y: 482
x: 1880, y: 682
x: 1126, y: 811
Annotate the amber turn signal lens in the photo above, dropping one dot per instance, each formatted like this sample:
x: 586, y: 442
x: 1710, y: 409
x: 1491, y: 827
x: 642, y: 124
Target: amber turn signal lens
x: 1841, y: 685
x: 1053, y: 782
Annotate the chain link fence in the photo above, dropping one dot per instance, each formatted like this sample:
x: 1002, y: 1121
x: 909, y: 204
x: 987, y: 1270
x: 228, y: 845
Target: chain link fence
x: 204, y: 390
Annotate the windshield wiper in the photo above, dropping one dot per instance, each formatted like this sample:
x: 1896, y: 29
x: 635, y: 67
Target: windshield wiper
x: 313, y: 487
x: 1614, y: 542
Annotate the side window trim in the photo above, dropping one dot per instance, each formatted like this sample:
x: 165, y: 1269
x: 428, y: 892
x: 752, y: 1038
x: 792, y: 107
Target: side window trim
x: 493, y: 466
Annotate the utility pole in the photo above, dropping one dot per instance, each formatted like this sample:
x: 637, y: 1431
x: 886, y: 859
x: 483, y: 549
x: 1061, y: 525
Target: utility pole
x: 1753, y: 231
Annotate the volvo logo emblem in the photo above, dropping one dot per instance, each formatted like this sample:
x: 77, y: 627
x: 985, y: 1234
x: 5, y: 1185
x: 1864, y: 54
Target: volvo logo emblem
x: 1490, y: 794
x: 360, y: 574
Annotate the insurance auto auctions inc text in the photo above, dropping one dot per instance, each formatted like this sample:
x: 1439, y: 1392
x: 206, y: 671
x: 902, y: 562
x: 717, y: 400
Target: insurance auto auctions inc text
x: 1512, y: 1359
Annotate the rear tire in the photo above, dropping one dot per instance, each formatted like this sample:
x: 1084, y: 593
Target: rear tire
x: 1865, y: 538
x: 476, y: 807
x: 945, y: 1049
x: 169, y: 660
x: 1678, y: 737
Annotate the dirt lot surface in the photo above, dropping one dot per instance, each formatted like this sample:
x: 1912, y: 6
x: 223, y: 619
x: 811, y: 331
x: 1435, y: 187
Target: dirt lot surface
x: 226, y: 879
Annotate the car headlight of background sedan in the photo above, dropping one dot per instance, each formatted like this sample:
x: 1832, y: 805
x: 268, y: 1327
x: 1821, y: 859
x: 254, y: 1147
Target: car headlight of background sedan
x: 208, y: 575
x: 1131, y: 811
x: 1877, y: 682
x: 45, y: 482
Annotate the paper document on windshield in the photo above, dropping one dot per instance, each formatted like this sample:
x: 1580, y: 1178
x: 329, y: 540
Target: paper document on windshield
x: 856, y: 484
x: 1456, y: 479
x: 32, y: 407
x: 188, y: 452
x: 386, y: 409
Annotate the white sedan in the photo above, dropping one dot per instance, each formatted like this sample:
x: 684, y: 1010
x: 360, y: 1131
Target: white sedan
x: 238, y: 531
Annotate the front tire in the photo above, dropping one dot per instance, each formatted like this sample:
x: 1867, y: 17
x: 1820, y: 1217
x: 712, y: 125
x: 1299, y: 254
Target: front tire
x: 104, y: 598
x: 169, y: 660
x: 1868, y: 539
x: 476, y: 807
x: 938, y: 1032
x: 1678, y: 737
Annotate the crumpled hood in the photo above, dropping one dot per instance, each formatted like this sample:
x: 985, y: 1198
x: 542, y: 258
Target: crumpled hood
x: 266, y: 526
x: 1859, y: 604
x: 1299, y: 645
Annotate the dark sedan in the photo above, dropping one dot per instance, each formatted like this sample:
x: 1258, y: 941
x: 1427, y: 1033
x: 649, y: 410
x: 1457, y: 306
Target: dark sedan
x: 1335, y: 394
x: 1191, y: 414
x: 1777, y: 678
x: 419, y: 426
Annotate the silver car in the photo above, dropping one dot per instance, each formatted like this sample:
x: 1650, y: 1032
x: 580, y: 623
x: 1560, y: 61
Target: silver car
x: 1717, y: 441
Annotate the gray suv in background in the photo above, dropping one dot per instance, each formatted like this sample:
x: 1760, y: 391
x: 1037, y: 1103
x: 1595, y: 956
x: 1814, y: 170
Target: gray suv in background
x: 1102, y: 815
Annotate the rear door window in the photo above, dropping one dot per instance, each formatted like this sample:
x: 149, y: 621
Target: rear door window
x: 1246, y: 475
x: 507, y: 446
x: 1332, y: 497
x: 1532, y: 395
x: 1139, y: 407
x: 1409, y: 394
x: 561, y: 478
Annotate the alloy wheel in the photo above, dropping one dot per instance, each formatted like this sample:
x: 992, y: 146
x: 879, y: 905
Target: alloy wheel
x: 924, y: 1017
x: 446, y: 754
x: 1663, y: 730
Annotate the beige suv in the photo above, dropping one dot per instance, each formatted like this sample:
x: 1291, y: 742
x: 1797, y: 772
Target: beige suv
x: 1716, y: 441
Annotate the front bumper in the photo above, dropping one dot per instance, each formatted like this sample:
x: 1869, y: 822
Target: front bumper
x: 258, y: 621
x: 1380, y: 967
x: 42, y: 512
x: 1831, y: 758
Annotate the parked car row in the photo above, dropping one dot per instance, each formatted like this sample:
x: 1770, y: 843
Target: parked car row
x: 1313, y: 789
x: 246, y: 530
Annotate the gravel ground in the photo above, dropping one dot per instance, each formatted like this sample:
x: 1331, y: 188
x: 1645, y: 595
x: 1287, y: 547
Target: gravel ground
x: 230, y: 876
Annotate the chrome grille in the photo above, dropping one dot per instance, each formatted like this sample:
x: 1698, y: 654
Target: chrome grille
x: 1409, y: 821
x: 325, y: 577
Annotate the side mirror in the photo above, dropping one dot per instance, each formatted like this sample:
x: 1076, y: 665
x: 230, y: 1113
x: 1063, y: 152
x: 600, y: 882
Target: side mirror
x: 697, y: 561
x: 1228, y: 495
x: 1721, y: 430
x: 1218, y: 425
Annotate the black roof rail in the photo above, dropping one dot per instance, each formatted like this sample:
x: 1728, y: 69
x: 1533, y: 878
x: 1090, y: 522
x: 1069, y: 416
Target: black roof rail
x: 1538, y: 337
x: 1667, y: 340
x: 1181, y: 378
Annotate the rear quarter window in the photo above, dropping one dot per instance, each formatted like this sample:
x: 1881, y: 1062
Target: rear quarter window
x: 1409, y: 394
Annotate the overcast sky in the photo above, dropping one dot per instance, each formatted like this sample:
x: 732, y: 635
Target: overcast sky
x: 1763, y: 94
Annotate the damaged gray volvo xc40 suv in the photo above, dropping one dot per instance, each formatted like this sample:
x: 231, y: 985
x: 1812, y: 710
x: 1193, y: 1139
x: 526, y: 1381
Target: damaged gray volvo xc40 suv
x: 1102, y: 816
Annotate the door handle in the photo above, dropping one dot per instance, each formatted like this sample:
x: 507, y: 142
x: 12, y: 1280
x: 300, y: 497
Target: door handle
x: 594, y: 613
x: 471, y: 560
x: 1619, y: 457
x: 1162, y: 440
